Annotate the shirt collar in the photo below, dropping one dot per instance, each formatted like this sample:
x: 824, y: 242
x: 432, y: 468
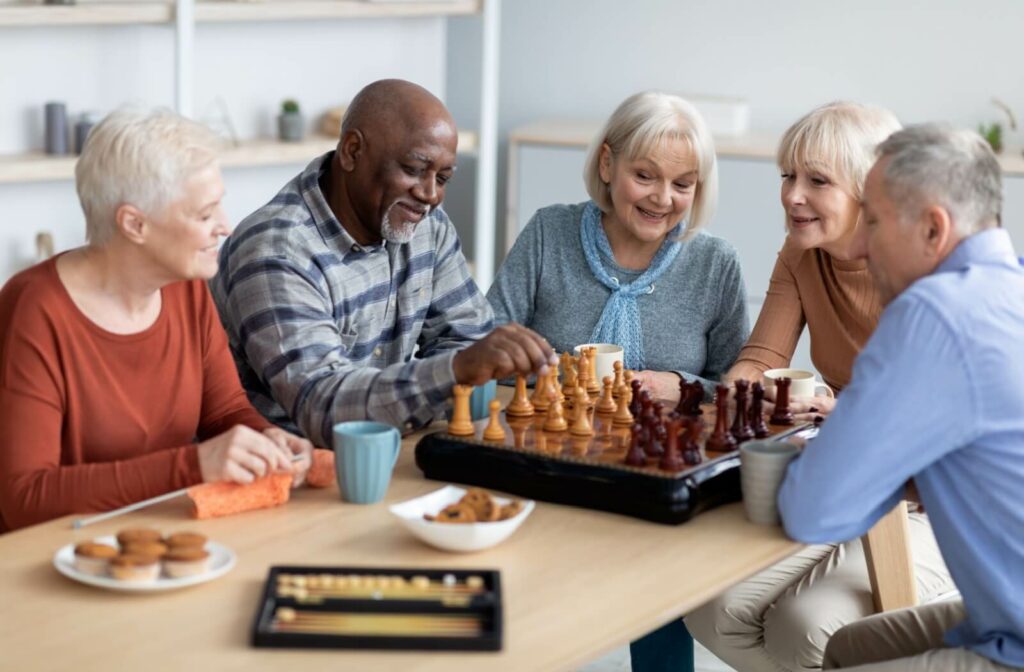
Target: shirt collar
x: 323, y: 216
x: 991, y: 246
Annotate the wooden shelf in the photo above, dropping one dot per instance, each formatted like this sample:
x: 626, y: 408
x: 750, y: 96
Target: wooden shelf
x: 88, y: 14
x: 39, y: 167
x: 756, y: 145
x: 225, y: 10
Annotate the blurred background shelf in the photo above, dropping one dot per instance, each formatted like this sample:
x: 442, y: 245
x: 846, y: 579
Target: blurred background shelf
x: 85, y: 14
x: 39, y: 167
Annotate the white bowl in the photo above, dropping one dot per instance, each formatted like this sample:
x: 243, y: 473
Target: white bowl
x: 460, y: 537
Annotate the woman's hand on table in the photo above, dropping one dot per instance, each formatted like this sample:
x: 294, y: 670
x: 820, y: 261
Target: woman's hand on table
x: 663, y: 385
x: 295, y: 445
x: 242, y: 455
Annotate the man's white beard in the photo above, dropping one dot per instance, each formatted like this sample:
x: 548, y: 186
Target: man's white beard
x: 400, y: 233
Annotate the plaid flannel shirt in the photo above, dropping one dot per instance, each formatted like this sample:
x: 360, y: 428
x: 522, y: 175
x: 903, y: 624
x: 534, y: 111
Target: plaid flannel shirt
x: 324, y: 329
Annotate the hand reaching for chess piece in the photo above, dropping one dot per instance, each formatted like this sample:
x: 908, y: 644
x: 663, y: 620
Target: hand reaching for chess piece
x: 663, y: 385
x: 804, y: 409
x: 508, y: 350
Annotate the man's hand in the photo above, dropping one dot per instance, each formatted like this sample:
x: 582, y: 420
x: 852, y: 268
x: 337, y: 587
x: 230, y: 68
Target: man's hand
x: 295, y: 445
x: 804, y: 409
x: 508, y: 350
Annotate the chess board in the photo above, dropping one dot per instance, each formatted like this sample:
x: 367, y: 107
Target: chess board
x: 585, y: 471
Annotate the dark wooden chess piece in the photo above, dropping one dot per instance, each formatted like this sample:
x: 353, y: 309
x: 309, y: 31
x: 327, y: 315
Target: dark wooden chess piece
x: 690, y: 397
x: 757, y: 411
x: 684, y: 396
x: 782, y: 415
x: 671, y: 460
x: 661, y: 437
x: 721, y: 440
x: 636, y: 457
x: 635, y: 401
x: 652, y: 446
x: 741, y: 430
x: 691, y: 447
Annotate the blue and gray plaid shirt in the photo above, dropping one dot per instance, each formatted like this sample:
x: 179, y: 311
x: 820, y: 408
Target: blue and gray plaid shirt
x: 324, y: 329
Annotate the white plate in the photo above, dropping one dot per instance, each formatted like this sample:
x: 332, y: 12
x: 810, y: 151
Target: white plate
x: 460, y: 537
x: 222, y: 559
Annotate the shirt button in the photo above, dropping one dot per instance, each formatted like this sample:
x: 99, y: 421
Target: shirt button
x: 377, y: 352
x: 356, y: 248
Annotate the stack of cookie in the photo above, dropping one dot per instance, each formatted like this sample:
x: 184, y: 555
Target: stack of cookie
x: 476, y: 506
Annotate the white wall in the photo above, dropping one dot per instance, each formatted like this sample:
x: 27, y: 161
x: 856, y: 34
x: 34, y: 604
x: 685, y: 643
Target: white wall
x: 251, y: 66
x: 923, y: 59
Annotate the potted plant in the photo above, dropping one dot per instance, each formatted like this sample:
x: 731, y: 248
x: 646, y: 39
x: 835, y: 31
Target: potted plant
x: 291, y: 127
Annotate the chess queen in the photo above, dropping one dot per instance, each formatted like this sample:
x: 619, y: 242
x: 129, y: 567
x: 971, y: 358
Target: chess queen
x: 633, y: 266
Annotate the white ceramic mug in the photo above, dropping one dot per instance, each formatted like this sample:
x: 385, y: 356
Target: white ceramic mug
x: 802, y: 384
x: 763, y: 466
x: 607, y: 355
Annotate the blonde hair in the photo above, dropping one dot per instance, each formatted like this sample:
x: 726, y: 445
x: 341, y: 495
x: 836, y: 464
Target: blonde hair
x: 139, y: 157
x: 639, y: 125
x: 840, y: 139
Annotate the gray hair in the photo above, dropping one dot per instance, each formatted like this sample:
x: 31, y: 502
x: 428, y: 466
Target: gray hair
x: 939, y: 164
x: 139, y: 157
x: 642, y: 123
x: 839, y: 139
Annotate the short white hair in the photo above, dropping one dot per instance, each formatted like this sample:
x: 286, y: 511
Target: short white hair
x: 938, y: 164
x: 838, y: 138
x: 639, y: 125
x: 140, y: 157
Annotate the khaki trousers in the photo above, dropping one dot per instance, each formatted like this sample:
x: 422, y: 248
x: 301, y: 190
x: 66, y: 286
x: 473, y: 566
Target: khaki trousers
x: 781, y: 619
x: 905, y: 640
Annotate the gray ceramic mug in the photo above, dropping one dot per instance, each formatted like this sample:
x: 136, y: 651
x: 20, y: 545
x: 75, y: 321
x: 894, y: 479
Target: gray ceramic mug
x: 365, y: 454
x: 763, y: 467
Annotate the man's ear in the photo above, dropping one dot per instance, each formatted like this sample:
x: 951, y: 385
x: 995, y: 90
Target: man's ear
x: 132, y: 223
x: 604, y: 163
x: 937, y: 230
x: 350, y: 149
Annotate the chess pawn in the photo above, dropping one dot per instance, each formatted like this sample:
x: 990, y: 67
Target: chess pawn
x: 461, y: 423
x: 684, y: 396
x: 671, y: 461
x: 635, y: 401
x: 555, y: 421
x: 494, y: 431
x: 741, y: 422
x: 623, y: 418
x: 619, y: 381
x: 581, y: 426
x: 721, y: 439
x: 627, y: 378
x: 593, y: 384
x: 756, y: 411
x: 569, y: 381
x: 520, y: 405
x: 691, y: 446
x: 540, y: 399
x: 782, y: 415
x: 607, y: 403
x: 553, y: 386
x: 636, y: 457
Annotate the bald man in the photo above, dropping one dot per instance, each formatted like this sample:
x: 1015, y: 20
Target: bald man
x: 347, y: 296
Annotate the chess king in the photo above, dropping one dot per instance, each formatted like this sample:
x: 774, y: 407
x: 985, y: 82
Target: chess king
x: 328, y: 290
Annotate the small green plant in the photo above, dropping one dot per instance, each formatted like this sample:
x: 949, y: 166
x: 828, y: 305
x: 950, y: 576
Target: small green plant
x: 993, y: 134
x: 290, y: 106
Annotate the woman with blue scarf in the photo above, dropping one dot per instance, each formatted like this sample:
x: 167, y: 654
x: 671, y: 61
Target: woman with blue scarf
x: 632, y: 267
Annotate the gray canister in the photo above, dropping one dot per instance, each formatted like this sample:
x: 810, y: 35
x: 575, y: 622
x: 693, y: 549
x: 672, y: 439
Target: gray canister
x: 56, y: 128
x: 82, y: 129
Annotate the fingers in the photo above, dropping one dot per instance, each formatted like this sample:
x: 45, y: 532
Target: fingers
x: 509, y: 349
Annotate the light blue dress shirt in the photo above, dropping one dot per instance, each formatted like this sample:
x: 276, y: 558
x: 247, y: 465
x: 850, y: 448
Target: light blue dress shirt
x: 937, y: 395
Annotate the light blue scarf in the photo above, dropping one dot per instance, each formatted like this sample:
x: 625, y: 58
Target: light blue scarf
x: 620, y: 319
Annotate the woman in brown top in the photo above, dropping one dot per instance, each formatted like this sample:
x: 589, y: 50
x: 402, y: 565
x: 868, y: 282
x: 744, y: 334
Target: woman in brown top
x: 781, y: 618
x: 824, y: 159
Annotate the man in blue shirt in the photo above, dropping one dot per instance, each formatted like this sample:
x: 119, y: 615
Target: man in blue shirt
x: 936, y: 397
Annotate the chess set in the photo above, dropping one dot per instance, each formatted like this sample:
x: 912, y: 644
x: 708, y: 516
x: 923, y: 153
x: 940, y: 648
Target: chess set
x: 374, y: 608
x: 607, y: 445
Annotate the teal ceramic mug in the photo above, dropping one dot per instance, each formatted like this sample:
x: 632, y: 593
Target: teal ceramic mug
x: 365, y: 454
x: 480, y: 400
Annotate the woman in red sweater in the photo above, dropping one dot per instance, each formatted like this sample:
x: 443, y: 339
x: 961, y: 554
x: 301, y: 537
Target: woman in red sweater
x: 116, y: 381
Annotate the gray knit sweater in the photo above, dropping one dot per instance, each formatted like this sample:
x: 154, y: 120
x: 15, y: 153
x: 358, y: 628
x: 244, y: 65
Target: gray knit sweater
x: 694, y: 323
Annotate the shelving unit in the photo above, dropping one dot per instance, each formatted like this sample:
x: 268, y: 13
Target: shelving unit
x: 39, y: 167
x: 185, y: 17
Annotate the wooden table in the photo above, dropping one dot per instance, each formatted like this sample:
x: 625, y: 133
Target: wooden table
x: 576, y: 584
